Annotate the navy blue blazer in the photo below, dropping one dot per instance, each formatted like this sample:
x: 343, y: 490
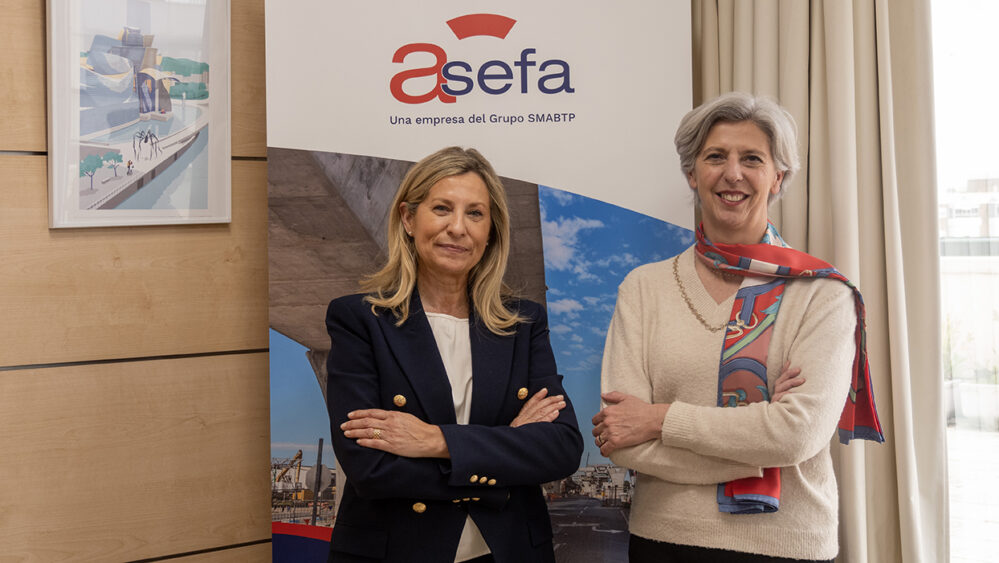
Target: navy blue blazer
x: 413, y: 509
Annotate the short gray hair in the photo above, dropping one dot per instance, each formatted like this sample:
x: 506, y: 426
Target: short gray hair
x: 775, y: 121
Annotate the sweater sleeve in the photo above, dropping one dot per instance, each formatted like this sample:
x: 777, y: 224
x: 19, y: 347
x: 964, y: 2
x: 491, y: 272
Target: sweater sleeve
x: 818, y: 327
x: 625, y: 369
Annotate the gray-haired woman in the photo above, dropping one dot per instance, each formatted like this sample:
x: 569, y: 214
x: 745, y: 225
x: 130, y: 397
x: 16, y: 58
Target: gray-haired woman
x: 737, y: 320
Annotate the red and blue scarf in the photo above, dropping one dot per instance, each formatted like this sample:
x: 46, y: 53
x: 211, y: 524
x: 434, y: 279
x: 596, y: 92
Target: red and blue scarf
x: 742, y: 373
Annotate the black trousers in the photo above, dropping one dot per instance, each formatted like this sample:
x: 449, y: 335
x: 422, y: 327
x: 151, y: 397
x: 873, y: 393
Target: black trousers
x: 642, y: 550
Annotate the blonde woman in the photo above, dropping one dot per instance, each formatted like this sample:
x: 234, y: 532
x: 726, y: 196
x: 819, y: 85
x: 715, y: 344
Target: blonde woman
x: 446, y: 409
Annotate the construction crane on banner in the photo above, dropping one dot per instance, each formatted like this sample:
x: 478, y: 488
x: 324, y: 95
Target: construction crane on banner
x: 295, y: 461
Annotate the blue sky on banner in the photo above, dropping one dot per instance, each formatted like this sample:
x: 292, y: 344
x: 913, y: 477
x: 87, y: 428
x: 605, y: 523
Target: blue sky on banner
x: 590, y: 246
x: 298, y: 413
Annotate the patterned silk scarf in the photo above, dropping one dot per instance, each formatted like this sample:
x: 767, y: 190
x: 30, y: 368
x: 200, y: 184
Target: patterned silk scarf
x: 742, y: 373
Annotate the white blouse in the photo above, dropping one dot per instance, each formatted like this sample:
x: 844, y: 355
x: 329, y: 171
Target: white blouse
x: 451, y: 334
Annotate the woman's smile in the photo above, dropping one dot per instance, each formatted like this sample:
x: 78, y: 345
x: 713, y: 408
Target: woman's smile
x: 450, y: 228
x: 734, y: 175
x: 734, y: 197
x: 452, y: 248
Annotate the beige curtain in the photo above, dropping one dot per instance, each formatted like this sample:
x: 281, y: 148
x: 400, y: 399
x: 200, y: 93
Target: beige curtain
x: 857, y: 78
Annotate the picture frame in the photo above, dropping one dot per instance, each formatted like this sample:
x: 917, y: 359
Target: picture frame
x: 139, y: 112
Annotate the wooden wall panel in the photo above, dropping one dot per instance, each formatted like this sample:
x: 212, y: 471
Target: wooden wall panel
x: 22, y: 76
x: 126, y: 460
x: 131, y: 460
x: 249, y: 123
x: 259, y: 553
x: 100, y: 293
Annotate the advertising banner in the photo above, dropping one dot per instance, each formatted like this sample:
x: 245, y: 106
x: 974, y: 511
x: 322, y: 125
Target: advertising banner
x: 575, y: 105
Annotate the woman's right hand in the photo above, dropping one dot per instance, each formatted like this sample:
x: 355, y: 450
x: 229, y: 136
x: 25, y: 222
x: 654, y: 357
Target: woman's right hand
x: 789, y: 379
x: 398, y: 433
x: 539, y: 408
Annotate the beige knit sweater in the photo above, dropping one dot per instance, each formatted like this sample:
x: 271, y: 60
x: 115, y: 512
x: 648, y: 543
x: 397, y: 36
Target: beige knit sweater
x: 657, y: 350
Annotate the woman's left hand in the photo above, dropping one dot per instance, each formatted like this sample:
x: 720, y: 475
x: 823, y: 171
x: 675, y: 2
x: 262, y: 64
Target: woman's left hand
x: 627, y: 421
x: 788, y: 380
x: 397, y: 433
x: 539, y: 408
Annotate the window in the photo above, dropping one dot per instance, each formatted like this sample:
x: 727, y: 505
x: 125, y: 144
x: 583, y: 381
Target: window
x: 966, y: 81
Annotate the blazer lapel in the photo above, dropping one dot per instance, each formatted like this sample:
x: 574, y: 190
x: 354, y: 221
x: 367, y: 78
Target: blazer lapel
x: 415, y: 349
x: 492, y: 356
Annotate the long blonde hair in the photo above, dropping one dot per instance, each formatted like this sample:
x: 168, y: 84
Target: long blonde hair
x: 392, y: 287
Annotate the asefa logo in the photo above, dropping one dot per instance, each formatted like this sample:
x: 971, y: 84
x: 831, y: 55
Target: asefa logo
x: 457, y: 78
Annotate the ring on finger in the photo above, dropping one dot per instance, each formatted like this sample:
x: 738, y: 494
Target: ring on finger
x: 376, y: 433
x: 600, y: 440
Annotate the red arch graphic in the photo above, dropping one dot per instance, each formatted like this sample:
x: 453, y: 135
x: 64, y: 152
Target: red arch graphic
x: 481, y: 24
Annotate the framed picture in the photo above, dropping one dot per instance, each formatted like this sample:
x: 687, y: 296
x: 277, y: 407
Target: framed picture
x: 138, y: 112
